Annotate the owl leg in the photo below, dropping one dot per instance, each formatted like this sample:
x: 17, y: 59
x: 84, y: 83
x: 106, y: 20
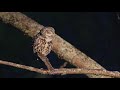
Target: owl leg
x: 46, y: 61
x: 64, y: 65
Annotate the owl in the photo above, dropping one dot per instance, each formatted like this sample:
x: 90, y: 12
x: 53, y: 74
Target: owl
x: 43, y: 43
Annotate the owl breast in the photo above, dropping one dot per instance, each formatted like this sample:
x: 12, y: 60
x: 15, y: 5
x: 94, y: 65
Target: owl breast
x: 41, y: 46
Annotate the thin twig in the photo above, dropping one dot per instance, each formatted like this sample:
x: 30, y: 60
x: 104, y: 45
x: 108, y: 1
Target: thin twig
x: 64, y: 71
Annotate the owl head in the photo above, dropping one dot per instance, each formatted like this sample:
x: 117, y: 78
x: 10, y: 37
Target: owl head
x: 48, y: 33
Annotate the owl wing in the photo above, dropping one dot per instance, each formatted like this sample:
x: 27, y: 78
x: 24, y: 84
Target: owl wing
x: 38, y: 44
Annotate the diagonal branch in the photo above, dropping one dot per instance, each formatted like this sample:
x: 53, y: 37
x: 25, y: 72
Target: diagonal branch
x: 64, y: 71
x: 61, y: 47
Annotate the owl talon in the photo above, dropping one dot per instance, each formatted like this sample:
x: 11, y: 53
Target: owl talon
x: 64, y: 65
x: 46, y: 61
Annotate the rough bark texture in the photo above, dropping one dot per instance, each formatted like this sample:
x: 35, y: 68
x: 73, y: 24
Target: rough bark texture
x: 64, y: 71
x: 61, y: 47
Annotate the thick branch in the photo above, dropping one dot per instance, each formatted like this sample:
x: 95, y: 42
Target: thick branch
x: 64, y: 71
x: 61, y: 47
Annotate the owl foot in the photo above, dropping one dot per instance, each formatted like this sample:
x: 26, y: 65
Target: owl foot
x: 47, y: 63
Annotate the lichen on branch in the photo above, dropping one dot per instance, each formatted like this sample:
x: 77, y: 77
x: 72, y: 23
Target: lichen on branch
x: 61, y: 47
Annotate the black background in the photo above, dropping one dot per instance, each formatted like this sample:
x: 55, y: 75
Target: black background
x: 94, y: 33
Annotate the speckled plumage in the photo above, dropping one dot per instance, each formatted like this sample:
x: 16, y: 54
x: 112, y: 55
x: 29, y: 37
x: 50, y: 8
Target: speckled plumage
x: 43, y: 44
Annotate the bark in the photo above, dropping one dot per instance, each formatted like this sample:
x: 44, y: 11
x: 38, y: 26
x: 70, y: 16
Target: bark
x: 61, y: 47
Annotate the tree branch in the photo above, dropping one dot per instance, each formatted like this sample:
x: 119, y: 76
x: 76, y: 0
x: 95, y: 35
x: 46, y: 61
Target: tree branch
x: 64, y: 71
x: 61, y: 47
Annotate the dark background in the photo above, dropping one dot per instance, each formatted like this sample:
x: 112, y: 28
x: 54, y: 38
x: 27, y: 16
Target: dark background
x: 94, y: 33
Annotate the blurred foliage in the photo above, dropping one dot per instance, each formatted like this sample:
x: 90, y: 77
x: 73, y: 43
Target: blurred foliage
x: 94, y: 33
